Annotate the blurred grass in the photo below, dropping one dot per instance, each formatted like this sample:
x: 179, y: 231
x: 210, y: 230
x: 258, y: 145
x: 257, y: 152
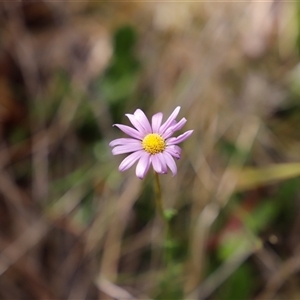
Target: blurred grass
x: 72, y: 226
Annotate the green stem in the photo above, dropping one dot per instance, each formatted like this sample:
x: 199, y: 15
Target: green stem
x: 161, y: 212
x: 158, y: 198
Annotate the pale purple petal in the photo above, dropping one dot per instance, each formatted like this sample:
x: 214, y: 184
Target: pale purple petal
x: 171, y: 163
x: 156, y: 122
x: 143, y: 120
x: 180, y: 138
x: 130, y: 131
x: 127, y: 148
x: 173, y: 128
x: 130, y: 160
x: 156, y: 163
x: 136, y: 123
x: 143, y: 165
x: 122, y: 141
x: 163, y: 163
x: 174, y: 151
x: 174, y: 122
x: 177, y: 149
x: 169, y: 121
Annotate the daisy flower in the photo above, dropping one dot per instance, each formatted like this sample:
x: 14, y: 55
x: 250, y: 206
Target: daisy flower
x: 150, y: 143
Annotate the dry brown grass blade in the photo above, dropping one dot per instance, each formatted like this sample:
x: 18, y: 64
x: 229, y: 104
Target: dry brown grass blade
x: 115, y: 230
x: 30, y: 237
x: 225, y: 187
x: 212, y: 282
x: 279, y: 277
x: 113, y: 290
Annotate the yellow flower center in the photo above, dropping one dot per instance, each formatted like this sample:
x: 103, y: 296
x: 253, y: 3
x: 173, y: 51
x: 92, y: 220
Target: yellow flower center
x: 153, y: 143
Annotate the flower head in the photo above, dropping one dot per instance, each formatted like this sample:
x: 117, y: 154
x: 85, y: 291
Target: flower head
x: 150, y: 143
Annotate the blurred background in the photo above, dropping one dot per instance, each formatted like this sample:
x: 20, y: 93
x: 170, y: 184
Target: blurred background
x: 72, y: 226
